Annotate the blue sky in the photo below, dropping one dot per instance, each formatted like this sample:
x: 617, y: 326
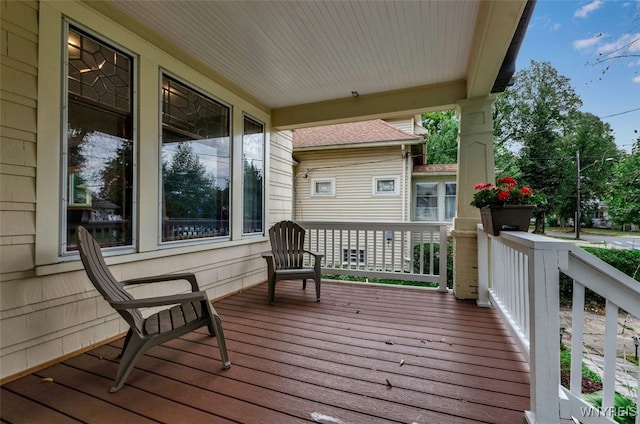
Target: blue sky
x: 572, y: 35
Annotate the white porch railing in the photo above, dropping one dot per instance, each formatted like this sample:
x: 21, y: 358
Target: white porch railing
x: 408, y: 251
x: 519, y: 273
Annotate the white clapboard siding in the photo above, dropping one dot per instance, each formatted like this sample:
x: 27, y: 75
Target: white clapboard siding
x: 354, y: 171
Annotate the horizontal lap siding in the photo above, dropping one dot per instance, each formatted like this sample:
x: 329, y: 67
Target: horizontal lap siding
x: 18, y: 96
x: 280, y: 181
x: 353, y: 170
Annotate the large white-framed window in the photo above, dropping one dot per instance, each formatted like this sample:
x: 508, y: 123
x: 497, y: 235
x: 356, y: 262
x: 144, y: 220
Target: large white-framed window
x: 323, y: 186
x: 426, y: 201
x: 435, y: 201
x: 385, y: 186
x: 196, y: 163
x: 253, y: 150
x: 99, y: 150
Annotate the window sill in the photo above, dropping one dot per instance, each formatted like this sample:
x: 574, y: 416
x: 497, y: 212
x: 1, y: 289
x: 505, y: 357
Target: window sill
x: 72, y: 263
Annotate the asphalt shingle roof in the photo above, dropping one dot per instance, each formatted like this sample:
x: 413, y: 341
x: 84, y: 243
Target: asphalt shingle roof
x: 361, y: 132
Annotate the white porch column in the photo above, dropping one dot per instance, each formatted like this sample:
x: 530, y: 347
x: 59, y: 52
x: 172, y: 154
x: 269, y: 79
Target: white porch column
x: 475, y: 165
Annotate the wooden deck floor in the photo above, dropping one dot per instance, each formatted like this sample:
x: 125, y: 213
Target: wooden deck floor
x: 365, y: 354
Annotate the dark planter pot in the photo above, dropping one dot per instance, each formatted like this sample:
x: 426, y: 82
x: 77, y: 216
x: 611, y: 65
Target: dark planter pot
x: 510, y: 218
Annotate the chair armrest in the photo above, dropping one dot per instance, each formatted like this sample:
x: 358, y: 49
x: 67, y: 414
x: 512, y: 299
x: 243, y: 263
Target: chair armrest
x: 316, y: 255
x: 267, y: 255
x: 189, y: 276
x: 160, y: 300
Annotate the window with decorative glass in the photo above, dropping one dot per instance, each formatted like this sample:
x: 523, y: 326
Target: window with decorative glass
x: 196, y: 172
x: 99, y: 150
x: 253, y: 169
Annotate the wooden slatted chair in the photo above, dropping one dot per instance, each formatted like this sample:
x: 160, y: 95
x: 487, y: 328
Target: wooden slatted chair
x: 183, y: 314
x: 286, y: 261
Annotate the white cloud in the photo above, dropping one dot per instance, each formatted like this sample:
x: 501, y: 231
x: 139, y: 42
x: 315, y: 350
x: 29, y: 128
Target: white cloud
x: 625, y: 44
x: 636, y: 79
x: 588, y: 8
x: 587, y: 42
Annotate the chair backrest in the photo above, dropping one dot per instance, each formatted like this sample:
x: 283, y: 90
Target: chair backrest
x: 287, y: 245
x: 100, y: 276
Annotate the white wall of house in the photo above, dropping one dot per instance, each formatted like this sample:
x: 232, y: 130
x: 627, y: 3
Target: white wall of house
x: 48, y: 308
x: 353, y: 173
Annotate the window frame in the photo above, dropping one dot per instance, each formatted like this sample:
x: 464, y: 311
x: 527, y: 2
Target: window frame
x: 441, y: 199
x: 64, y: 183
x: 449, y: 196
x: 149, y: 59
x: 332, y: 184
x: 246, y: 116
x: 376, y: 180
x: 206, y: 94
x: 437, y: 197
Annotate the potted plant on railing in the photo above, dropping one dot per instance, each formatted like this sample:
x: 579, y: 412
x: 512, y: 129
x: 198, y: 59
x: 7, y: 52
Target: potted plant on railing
x: 506, y: 205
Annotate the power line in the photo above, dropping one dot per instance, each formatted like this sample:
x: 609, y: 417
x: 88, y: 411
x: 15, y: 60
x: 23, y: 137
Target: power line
x: 620, y: 113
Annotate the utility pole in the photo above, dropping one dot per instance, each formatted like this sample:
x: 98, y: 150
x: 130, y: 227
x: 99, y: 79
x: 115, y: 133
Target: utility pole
x: 577, y: 218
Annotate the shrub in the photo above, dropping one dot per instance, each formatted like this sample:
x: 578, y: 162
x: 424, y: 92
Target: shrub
x: 436, y: 260
x: 627, y: 261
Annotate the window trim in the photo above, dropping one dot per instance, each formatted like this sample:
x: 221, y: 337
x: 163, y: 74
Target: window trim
x: 441, y: 197
x: 204, y: 93
x: 376, y: 180
x: 315, y: 181
x: 149, y: 59
x: 64, y: 188
x: 264, y: 162
x: 455, y: 200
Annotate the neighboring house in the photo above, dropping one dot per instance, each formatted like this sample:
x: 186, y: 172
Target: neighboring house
x: 359, y: 171
x: 370, y: 171
x: 179, y: 116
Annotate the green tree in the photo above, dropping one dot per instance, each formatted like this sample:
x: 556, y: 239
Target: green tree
x: 530, y: 117
x: 623, y: 194
x: 442, y: 144
x: 188, y: 191
x: 592, y: 139
x: 117, y: 178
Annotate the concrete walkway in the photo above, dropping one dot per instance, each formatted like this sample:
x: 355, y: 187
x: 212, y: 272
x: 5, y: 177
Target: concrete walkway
x: 593, y: 344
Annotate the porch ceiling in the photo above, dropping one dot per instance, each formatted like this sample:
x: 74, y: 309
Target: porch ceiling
x: 301, y: 60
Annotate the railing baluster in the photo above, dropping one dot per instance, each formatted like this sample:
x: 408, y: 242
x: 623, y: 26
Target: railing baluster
x: 610, y: 346
x: 577, y: 333
x: 387, y: 250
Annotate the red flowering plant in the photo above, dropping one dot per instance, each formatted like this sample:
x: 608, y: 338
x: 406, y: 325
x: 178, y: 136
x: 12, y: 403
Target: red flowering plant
x: 506, y: 192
